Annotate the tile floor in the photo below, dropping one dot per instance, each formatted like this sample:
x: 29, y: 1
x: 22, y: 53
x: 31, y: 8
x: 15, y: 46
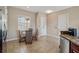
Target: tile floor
x: 44, y: 44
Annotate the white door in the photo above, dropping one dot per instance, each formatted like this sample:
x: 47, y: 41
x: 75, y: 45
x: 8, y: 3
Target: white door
x: 42, y: 27
x: 63, y: 22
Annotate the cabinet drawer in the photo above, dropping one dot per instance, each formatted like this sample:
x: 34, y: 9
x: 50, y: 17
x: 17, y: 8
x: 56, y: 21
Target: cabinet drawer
x: 75, y: 47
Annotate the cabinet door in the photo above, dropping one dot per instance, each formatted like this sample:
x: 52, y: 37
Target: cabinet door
x: 61, y: 45
x: 64, y: 45
x: 0, y: 33
x: 74, y: 48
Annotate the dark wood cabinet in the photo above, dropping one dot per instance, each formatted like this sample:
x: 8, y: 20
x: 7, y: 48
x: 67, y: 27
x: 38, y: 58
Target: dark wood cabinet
x: 0, y: 46
x: 73, y: 43
x: 0, y: 41
x: 74, y: 48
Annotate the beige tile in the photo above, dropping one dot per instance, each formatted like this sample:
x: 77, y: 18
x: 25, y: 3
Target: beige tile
x: 43, y: 45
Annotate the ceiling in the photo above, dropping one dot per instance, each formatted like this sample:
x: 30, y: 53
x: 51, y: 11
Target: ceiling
x: 42, y: 8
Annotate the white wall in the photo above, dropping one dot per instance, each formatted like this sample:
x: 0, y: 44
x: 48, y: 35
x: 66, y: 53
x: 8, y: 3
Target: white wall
x: 52, y: 21
x: 13, y: 14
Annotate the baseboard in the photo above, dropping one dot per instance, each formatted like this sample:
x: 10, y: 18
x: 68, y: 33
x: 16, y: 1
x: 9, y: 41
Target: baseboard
x: 11, y: 39
x: 54, y: 36
x: 42, y: 35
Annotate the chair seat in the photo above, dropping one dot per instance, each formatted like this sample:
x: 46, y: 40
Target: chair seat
x: 22, y: 36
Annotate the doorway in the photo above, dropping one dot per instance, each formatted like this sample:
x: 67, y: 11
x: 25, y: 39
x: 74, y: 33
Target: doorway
x: 43, y: 25
x: 63, y: 22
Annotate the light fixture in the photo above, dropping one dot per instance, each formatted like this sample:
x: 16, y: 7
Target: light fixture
x: 49, y: 11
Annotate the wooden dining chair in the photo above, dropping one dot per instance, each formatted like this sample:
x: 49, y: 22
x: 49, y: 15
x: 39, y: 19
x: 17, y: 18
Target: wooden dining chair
x: 28, y: 39
x: 21, y: 36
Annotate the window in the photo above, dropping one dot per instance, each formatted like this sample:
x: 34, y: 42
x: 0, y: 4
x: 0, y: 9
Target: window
x: 23, y: 23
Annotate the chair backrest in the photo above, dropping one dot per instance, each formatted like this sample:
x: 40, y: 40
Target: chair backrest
x: 29, y: 34
x: 21, y: 34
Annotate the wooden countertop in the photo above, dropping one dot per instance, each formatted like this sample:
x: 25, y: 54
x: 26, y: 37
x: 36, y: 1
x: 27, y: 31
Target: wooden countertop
x: 73, y: 39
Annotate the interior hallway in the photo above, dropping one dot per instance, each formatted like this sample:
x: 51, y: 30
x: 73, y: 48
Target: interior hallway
x: 44, y: 44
